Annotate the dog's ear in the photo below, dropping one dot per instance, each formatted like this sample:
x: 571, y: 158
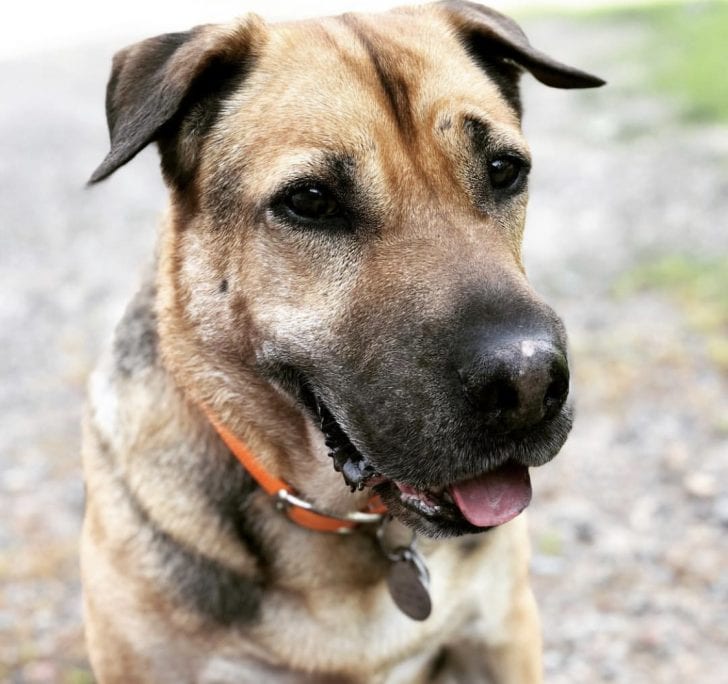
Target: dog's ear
x: 158, y: 82
x: 492, y: 37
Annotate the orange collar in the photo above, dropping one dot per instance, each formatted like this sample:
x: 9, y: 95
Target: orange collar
x: 298, y: 510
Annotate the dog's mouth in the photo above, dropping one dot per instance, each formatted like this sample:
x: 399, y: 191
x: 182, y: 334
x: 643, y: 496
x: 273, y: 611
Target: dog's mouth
x: 486, y: 500
x: 491, y: 499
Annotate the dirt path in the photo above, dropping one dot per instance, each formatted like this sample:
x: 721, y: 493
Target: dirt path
x: 629, y: 523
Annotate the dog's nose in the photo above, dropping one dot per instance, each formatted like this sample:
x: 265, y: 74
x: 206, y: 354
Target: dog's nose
x: 518, y: 384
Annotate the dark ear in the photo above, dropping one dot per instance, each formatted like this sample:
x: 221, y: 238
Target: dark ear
x: 489, y: 35
x: 156, y: 83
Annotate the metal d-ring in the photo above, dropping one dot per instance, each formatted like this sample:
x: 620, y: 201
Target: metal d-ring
x: 400, y: 552
x: 284, y: 500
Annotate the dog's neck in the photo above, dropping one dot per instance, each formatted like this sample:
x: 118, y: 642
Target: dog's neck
x: 298, y: 510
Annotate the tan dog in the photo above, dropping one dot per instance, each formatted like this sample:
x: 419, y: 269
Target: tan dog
x: 339, y: 279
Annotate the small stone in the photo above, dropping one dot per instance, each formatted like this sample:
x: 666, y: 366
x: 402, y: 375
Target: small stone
x: 720, y: 510
x: 546, y: 566
x: 584, y: 532
x: 700, y: 485
x: 677, y: 458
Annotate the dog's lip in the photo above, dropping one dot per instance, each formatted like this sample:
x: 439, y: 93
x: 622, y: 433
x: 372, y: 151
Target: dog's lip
x: 486, y: 499
x: 356, y: 469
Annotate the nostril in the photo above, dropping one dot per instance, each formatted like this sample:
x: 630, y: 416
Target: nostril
x: 495, y: 400
x: 496, y: 397
x: 556, y: 392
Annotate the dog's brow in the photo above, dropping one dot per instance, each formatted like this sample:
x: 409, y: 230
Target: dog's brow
x: 488, y: 139
x: 393, y: 85
x: 334, y: 167
x: 478, y: 131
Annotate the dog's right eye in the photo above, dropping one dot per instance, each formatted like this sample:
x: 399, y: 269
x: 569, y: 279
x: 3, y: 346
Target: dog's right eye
x: 311, y: 203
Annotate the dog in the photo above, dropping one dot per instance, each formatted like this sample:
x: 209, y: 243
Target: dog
x: 307, y: 448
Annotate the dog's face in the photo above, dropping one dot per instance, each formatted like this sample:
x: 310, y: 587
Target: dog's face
x: 350, y: 198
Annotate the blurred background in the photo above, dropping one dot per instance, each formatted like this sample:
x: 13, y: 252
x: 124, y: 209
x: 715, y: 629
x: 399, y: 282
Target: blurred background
x: 627, y: 237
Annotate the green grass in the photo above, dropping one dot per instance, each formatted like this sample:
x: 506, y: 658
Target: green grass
x: 699, y: 286
x: 694, y: 60
x: 550, y: 543
x: 76, y: 675
x: 685, y: 52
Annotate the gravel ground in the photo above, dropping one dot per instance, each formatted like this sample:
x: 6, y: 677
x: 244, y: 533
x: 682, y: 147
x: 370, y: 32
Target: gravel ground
x: 629, y: 523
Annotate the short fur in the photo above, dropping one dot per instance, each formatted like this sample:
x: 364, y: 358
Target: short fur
x: 190, y: 574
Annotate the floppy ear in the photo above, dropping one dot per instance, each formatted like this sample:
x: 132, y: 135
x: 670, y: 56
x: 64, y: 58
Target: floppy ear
x: 489, y: 36
x: 156, y: 83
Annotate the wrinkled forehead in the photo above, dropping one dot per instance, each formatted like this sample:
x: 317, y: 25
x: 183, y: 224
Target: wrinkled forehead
x: 362, y: 82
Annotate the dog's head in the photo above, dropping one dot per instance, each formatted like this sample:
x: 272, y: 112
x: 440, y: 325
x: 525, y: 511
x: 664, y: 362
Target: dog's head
x: 349, y: 198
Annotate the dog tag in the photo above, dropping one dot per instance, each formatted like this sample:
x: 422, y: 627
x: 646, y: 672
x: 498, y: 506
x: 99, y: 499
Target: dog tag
x: 408, y: 583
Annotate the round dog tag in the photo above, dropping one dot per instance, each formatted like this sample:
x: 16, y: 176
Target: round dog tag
x: 408, y: 583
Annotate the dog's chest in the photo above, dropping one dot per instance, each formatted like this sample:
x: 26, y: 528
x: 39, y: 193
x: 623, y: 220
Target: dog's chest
x: 361, y: 636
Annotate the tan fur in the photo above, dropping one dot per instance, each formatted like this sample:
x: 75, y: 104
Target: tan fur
x: 316, y: 617
x: 326, y: 614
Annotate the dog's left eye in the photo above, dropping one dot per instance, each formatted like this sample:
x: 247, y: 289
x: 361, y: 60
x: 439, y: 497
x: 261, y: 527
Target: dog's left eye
x: 507, y: 173
x: 312, y: 203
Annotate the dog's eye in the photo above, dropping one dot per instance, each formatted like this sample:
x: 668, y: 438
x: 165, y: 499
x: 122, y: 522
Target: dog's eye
x: 312, y: 203
x: 507, y: 173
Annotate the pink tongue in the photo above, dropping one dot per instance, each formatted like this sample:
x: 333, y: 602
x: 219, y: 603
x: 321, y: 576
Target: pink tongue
x: 494, y: 498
